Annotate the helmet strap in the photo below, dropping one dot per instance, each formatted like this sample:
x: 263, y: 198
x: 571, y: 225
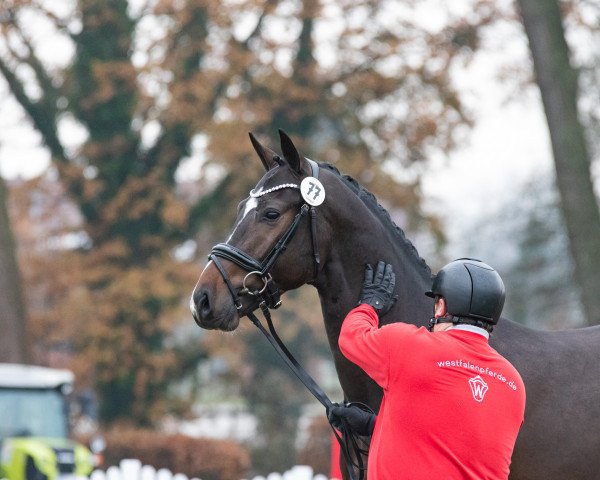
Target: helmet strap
x: 433, y: 321
x: 460, y: 320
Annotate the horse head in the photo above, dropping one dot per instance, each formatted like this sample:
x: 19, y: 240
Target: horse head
x: 272, y: 247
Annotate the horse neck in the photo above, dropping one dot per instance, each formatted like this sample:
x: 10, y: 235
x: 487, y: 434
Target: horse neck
x: 358, y: 237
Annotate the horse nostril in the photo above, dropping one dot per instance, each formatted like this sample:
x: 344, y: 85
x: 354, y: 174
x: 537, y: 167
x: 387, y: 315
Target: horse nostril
x: 202, y: 305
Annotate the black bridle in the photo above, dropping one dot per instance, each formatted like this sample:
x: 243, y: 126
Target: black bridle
x: 269, y: 293
x: 269, y: 298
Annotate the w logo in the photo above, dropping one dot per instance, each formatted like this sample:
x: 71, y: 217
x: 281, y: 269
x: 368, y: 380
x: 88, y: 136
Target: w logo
x: 478, y: 388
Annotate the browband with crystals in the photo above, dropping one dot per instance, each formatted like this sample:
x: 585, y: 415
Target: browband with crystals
x: 262, y: 192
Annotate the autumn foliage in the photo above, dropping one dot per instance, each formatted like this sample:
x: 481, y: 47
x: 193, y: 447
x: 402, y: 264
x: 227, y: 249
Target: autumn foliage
x: 148, y: 84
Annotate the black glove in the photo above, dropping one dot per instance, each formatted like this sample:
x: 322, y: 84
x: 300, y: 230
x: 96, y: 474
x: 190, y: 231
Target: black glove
x: 358, y: 419
x: 379, y: 291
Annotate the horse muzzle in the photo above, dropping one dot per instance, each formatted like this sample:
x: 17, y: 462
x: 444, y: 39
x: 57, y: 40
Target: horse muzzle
x: 210, y: 314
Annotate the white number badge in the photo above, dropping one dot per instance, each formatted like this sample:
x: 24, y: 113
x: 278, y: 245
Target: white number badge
x: 312, y: 191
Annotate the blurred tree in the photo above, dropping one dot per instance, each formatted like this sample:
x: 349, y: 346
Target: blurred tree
x: 152, y: 87
x: 361, y: 84
x: 47, y: 226
x: 558, y: 83
x: 13, y: 341
x: 131, y: 213
x: 543, y: 291
x: 63, y: 312
x: 538, y: 269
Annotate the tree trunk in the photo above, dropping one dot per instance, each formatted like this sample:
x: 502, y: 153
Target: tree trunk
x: 13, y: 344
x: 557, y: 81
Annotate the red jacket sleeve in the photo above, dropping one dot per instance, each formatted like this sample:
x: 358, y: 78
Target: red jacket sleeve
x: 366, y: 345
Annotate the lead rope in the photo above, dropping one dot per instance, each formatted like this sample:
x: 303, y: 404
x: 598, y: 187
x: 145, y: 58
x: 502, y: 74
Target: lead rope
x: 348, y: 442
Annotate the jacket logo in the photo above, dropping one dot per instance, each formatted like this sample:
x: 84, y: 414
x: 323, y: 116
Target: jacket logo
x: 478, y: 388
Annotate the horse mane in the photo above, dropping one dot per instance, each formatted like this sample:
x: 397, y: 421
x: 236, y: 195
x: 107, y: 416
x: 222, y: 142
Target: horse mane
x: 371, y: 202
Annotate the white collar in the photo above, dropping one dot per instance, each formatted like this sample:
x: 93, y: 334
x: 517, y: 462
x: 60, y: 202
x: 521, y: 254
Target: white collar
x: 472, y: 328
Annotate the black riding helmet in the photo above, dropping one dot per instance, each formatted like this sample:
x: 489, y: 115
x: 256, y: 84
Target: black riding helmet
x: 471, y: 288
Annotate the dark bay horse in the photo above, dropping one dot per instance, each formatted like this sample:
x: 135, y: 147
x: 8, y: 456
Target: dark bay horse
x: 560, y: 439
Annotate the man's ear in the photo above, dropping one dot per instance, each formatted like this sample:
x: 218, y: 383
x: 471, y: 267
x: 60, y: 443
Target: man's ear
x: 441, y: 308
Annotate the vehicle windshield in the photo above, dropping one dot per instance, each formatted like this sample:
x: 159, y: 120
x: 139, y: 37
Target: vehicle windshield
x: 32, y: 413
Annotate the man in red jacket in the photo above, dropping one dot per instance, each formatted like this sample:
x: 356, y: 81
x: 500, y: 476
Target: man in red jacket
x: 452, y: 405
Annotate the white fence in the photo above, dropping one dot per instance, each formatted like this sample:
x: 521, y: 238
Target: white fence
x: 131, y: 469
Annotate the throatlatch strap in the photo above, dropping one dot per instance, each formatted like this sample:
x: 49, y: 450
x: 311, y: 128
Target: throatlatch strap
x: 315, y: 241
x: 314, y: 167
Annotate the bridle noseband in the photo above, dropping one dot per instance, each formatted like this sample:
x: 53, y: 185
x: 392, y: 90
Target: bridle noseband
x: 268, y: 293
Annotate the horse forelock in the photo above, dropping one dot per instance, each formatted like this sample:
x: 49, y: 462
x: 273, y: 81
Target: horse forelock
x: 274, y: 178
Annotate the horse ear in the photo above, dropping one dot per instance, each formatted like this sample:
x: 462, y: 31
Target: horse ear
x: 267, y: 156
x: 290, y: 153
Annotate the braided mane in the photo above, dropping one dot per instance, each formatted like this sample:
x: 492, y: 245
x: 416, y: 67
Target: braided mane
x: 380, y: 212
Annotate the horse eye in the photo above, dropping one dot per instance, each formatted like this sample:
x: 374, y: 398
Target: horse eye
x: 271, y: 214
